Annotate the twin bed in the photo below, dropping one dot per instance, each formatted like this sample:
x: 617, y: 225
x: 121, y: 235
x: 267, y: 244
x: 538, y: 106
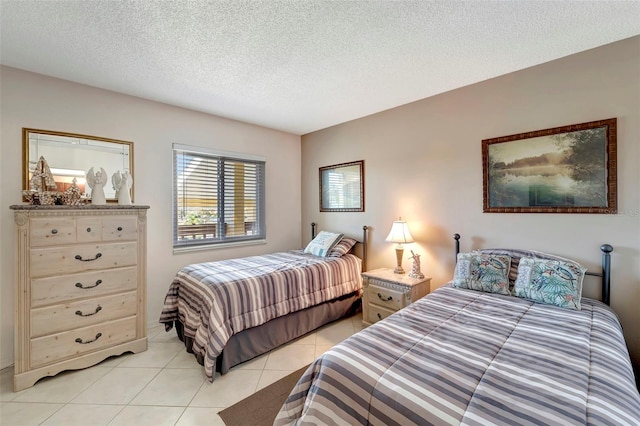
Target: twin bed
x: 509, y: 341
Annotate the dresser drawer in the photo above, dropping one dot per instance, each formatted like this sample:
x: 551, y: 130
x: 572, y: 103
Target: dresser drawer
x: 69, y: 316
x: 88, y: 229
x: 377, y: 313
x: 52, y: 231
x: 63, y: 288
x: 55, y: 347
x: 85, y: 257
x: 383, y: 296
x: 119, y: 228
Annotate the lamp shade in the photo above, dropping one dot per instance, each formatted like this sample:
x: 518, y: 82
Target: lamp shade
x: 399, y: 233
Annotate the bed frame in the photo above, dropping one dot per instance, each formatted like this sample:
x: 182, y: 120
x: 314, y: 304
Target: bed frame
x: 259, y: 340
x: 606, y: 250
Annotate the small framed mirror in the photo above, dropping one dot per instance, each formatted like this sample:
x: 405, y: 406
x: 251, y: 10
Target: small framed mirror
x: 71, y: 155
x: 342, y: 187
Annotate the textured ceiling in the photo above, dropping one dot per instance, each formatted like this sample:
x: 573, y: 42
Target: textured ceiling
x: 298, y: 65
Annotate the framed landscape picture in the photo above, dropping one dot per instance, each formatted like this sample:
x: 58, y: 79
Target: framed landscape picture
x: 342, y: 187
x: 568, y: 169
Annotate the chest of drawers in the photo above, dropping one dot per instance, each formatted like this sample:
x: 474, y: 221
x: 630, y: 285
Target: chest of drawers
x: 80, y: 287
x: 386, y: 292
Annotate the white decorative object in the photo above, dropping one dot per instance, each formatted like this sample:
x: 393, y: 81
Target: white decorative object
x: 122, y: 183
x: 96, y: 182
x: 415, y: 268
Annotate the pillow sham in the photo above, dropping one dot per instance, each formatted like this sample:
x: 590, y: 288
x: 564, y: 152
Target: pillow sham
x: 553, y: 282
x: 343, y: 247
x: 483, y: 272
x: 323, y: 243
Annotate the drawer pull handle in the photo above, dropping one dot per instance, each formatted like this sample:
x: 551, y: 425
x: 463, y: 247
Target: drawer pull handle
x: 385, y: 299
x: 98, y: 256
x: 79, y: 285
x: 88, y: 229
x: 79, y: 340
x: 80, y: 314
x: 379, y: 316
x: 54, y: 231
x: 119, y: 228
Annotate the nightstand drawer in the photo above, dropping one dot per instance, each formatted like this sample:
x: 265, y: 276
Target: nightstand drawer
x: 386, y: 297
x: 377, y: 313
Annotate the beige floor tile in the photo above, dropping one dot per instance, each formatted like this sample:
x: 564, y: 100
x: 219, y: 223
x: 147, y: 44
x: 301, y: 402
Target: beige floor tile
x: 184, y: 360
x: 158, y: 355
x: 26, y: 414
x: 271, y: 376
x: 6, y: 385
x: 196, y: 416
x: 118, y: 386
x: 307, y: 339
x: 155, y: 330
x: 320, y: 349
x: 335, y: 332
x: 290, y: 357
x: 63, y: 387
x: 114, y: 361
x: 228, y: 389
x: 84, y: 414
x: 175, y: 387
x: 143, y: 415
x: 166, y: 337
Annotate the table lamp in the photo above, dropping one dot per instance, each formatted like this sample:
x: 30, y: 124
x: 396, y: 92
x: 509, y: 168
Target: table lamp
x: 399, y: 234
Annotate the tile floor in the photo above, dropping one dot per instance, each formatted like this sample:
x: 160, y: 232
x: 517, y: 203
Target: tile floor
x: 162, y: 386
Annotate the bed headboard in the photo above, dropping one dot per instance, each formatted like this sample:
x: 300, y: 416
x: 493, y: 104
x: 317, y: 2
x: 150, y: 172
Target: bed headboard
x: 363, y: 242
x: 606, y: 250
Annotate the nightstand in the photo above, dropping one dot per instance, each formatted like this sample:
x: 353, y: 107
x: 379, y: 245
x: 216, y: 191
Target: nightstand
x: 386, y: 292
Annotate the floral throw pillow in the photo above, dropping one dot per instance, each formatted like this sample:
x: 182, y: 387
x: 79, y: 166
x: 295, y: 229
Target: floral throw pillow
x: 482, y: 272
x: 553, y: 282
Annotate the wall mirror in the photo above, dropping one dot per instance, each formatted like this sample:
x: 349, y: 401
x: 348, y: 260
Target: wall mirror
x: 71, y: 155
x: 342, y: 187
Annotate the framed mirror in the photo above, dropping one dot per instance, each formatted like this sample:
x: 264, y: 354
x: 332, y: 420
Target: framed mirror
x: 71, y: 155
x: 342, y: 187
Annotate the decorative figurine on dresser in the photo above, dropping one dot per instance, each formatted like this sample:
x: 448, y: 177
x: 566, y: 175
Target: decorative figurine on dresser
x: 386, y: 292
x: 80, y: 287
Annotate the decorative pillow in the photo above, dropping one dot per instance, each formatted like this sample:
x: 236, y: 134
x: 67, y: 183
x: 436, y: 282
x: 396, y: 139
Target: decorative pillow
x: 483, y: 272
x: 343, y: 247
x: 553, y: 282
x: 323, y: 243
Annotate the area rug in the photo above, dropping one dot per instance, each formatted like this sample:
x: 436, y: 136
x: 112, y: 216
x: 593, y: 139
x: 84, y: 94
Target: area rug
x: 261, y: 408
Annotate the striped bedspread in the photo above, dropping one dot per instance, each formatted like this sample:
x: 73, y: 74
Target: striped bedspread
x: 464, y: 357
x: 215, y: 300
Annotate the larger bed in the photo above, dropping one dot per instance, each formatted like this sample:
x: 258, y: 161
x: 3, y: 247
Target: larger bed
x: 463, y: 356
x: 230, y: 311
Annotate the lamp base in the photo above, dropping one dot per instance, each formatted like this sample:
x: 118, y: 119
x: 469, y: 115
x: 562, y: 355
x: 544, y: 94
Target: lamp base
x: 399, y: 254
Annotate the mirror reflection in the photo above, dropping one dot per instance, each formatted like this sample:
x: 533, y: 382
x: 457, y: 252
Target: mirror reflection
x: 71, y: 155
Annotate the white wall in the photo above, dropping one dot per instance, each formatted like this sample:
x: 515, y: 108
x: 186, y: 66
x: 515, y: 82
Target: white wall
x: 36, y: 101
x: 423, y: 162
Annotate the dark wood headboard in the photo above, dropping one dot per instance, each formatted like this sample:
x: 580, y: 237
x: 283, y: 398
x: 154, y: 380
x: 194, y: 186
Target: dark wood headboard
x: 606, y: 250
x: 365, y: 229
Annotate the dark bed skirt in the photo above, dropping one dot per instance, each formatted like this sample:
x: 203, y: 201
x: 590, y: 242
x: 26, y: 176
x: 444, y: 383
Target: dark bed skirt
x: 258, y: 340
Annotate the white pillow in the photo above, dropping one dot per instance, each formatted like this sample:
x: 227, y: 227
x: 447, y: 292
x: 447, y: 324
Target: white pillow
x: 323, y: 243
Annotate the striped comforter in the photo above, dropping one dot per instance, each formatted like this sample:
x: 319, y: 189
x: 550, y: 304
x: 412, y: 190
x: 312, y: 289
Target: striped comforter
x: 215, y: 300
x: 464, y: 357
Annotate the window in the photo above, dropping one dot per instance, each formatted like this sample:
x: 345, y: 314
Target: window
x: 218, y: 197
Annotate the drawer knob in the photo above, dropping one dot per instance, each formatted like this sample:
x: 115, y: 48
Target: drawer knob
x: 379, y: 316
x: 81, y: 314
x: 98, y: 256
x: 79, y: 285
x: 54, y: 231
x: 88, y: 229
x: 82, y: 342
x: 119, y: 228
x: 385, y: 299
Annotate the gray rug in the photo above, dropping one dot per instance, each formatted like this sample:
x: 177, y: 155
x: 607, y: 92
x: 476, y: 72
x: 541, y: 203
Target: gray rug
x: 261, y: 408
